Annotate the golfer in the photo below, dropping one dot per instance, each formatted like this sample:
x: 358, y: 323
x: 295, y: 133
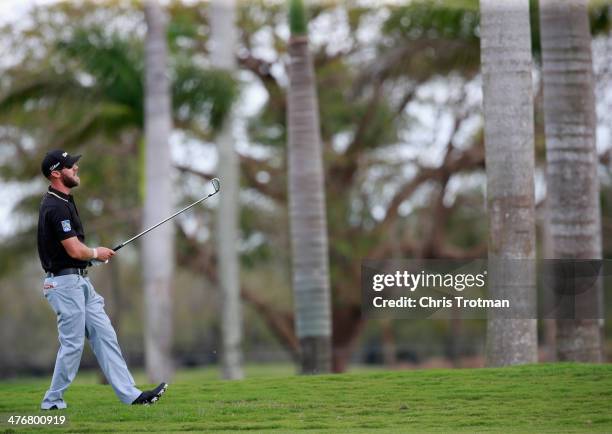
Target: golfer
x: 79, y: 308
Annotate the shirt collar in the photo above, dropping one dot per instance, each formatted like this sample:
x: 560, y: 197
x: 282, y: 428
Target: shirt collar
x: 60, y: 194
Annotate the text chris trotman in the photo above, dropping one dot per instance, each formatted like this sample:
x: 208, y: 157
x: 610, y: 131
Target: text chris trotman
x: 414, y: 281
x: 479, y: 289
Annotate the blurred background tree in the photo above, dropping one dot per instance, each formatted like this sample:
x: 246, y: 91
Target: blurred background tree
x: 507, y: 88
x: 571, y: 158
x: 224, y: 40
x: 307, y: 213
x: 158, y: 260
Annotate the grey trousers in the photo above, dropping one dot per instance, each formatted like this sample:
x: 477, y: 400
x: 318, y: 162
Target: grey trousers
x: 80, y: 313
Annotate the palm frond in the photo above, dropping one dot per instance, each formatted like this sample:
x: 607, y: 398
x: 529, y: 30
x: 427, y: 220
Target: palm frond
x: 104, y: 120
x: 40, y: 91
x: 197, y: 91
x: 115, y: 64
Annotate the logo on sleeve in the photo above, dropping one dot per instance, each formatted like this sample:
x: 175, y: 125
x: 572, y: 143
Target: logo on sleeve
x: 66, y: 225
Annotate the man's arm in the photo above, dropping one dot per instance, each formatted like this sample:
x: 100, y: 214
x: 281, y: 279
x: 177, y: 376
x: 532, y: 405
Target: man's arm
x: 78, y: 250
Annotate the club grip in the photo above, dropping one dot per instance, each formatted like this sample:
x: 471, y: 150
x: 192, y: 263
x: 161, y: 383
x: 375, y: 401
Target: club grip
x: 118, y: 247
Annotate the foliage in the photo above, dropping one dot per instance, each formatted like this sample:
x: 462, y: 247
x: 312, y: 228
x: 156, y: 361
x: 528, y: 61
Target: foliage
x: 441, y: 36
x: 298, y: 23
x: 108, y: 73
x: 439, y: 19
x: 600, y: 12
x: 199, y: 93
x: 458, y: 21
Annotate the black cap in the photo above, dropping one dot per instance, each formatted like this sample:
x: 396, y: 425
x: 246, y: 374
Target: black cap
x: 57, y: 160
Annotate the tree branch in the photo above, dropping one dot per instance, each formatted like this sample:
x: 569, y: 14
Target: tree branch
x: 259, y: 67
x: 281, y: 323
x: 250, y: 167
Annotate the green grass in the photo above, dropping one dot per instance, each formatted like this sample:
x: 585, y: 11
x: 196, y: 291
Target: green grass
x: 538, y: 398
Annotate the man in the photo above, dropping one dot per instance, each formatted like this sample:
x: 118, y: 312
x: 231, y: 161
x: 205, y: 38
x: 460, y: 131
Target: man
x: 79, y: 308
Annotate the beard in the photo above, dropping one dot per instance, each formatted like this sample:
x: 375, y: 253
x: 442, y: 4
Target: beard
x: 69, y: 181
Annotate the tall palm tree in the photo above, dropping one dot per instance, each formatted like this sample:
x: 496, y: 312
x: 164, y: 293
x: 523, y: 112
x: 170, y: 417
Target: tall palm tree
x: 307, y: 214
x: 158, y: 246
x: 509, y: 146
x: 571, y: 156
x: 224, y: 41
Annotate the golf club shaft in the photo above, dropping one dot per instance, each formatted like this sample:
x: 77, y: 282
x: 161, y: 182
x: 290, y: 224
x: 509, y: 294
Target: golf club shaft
x: 162, y: 222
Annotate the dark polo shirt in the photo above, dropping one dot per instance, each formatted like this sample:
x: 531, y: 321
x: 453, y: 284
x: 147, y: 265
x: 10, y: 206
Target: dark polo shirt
x: 58, y: 220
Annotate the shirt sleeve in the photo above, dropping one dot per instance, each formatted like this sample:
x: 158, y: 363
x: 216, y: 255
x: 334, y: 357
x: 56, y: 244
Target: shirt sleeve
x: 61, y: 223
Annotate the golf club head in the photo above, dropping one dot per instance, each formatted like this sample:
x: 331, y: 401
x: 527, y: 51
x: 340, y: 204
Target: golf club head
x: 216, y: 184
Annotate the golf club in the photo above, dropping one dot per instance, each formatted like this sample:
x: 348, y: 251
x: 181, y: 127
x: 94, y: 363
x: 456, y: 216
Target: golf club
x: 216, y: 185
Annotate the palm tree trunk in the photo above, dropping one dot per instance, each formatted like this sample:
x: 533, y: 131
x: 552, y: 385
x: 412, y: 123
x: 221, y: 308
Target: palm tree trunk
x: 573, y: 186
x: 509, y: 144
x: 307, y: 213
x: 224, y: 36
x: 158, y: 248
x: 549, y: 325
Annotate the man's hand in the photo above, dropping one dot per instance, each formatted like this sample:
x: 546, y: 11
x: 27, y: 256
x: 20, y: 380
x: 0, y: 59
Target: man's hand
x: 80, y: 251
x: 104, y: 253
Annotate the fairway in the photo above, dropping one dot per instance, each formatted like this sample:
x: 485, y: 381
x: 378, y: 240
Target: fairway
x: 538, y: 398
